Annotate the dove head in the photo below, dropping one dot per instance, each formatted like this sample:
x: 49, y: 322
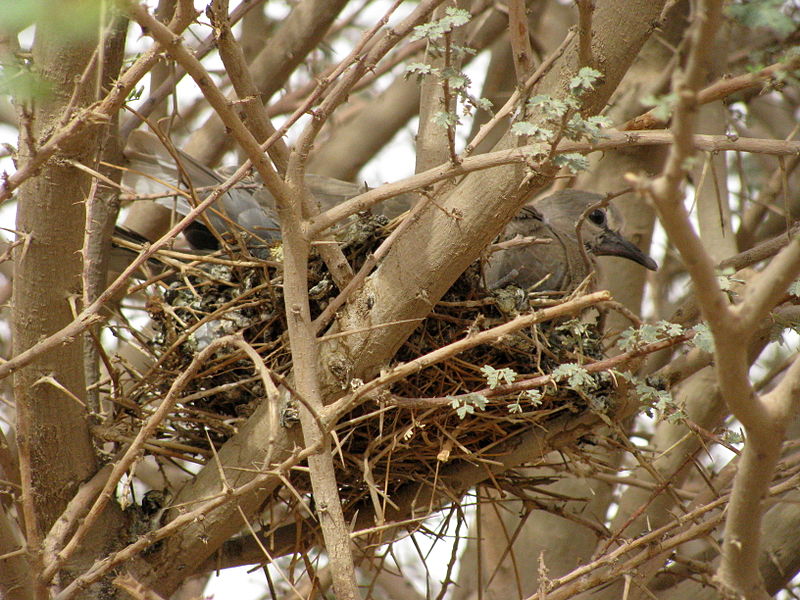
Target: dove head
x: 560, y: 265
x: 600, y: 230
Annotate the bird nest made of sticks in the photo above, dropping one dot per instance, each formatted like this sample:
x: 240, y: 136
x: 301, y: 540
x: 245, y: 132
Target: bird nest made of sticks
x: 434, y: 415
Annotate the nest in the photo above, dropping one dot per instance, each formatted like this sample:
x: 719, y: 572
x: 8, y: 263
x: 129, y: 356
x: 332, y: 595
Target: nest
x: 425, y: 420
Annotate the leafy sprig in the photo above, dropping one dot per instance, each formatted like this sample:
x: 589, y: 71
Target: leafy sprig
x: 560, y: 117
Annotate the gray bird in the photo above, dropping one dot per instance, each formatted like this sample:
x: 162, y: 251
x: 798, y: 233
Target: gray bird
x: 153, y: 171
x: 560, y: 265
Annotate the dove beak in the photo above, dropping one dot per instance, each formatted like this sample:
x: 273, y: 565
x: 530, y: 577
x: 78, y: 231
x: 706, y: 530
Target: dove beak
x: 613, y: 244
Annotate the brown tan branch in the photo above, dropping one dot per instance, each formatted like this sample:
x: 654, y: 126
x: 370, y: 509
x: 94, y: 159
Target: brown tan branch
x: 719, y: 90
x: 737, y: 572
x: 215, y: 98
x: 305, y: 365
x: 531, y: 383
x: 585, y: 10
x: 168, y: 85
x: 104, y: 566
x: 613, y: 140
x: 520, y: 39
x: 359, y: 65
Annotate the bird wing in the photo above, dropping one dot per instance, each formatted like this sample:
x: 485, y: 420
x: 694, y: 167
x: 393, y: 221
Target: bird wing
x: 152, y: 170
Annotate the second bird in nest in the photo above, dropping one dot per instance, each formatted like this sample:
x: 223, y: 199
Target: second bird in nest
x: 560, y: 265
x: 557, y: 266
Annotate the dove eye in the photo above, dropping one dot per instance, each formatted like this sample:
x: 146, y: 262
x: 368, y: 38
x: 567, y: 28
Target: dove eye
x: 598, y: 217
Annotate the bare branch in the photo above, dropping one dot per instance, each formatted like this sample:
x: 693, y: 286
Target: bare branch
x: 585, y: 10
x: 364, y: 201
x: 360, y: 65
x: 520, y: 38
x: 612, y: 140
x: 719, y: 90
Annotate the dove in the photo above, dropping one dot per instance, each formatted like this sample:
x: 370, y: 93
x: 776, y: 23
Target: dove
x: 560, y: 266
x: 152, y: 171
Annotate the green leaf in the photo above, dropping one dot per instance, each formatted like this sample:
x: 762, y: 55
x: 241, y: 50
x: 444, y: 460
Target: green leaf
x: 768, y: 14
x: 572, y: 161
x: 584, y: 81
x: 460, y: 51
x: 533, y: 396
x: 575, y: 375
x: 726, y: 281
x: 136, y: 94
x: 703, y: 338
x: 676, y: 416
x: 444, y: 119
x: 454, y: 17
x: 733, y: 437
x: 495, y: 377
x: 537, y: 150
x: 484, y: 104
x: 662, y: 105
x: 670, y: 329
x: 633, y: 338
x: 594, y: 127
x: 68, y: 22
x: 628, y: 339
x: 578, y: 128
x: 456, y: 79
x: 650, y: 395
x: 794, y: 289
x: 419, y: 68
x: 575, y: 328
x: 23, y: 84
x: 528, y: 128
x: 655, y: 398
x: 466, y: 405
x: 552, y: 108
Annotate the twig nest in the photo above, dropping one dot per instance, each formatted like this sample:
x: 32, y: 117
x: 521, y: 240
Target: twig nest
x: 435, y: 415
